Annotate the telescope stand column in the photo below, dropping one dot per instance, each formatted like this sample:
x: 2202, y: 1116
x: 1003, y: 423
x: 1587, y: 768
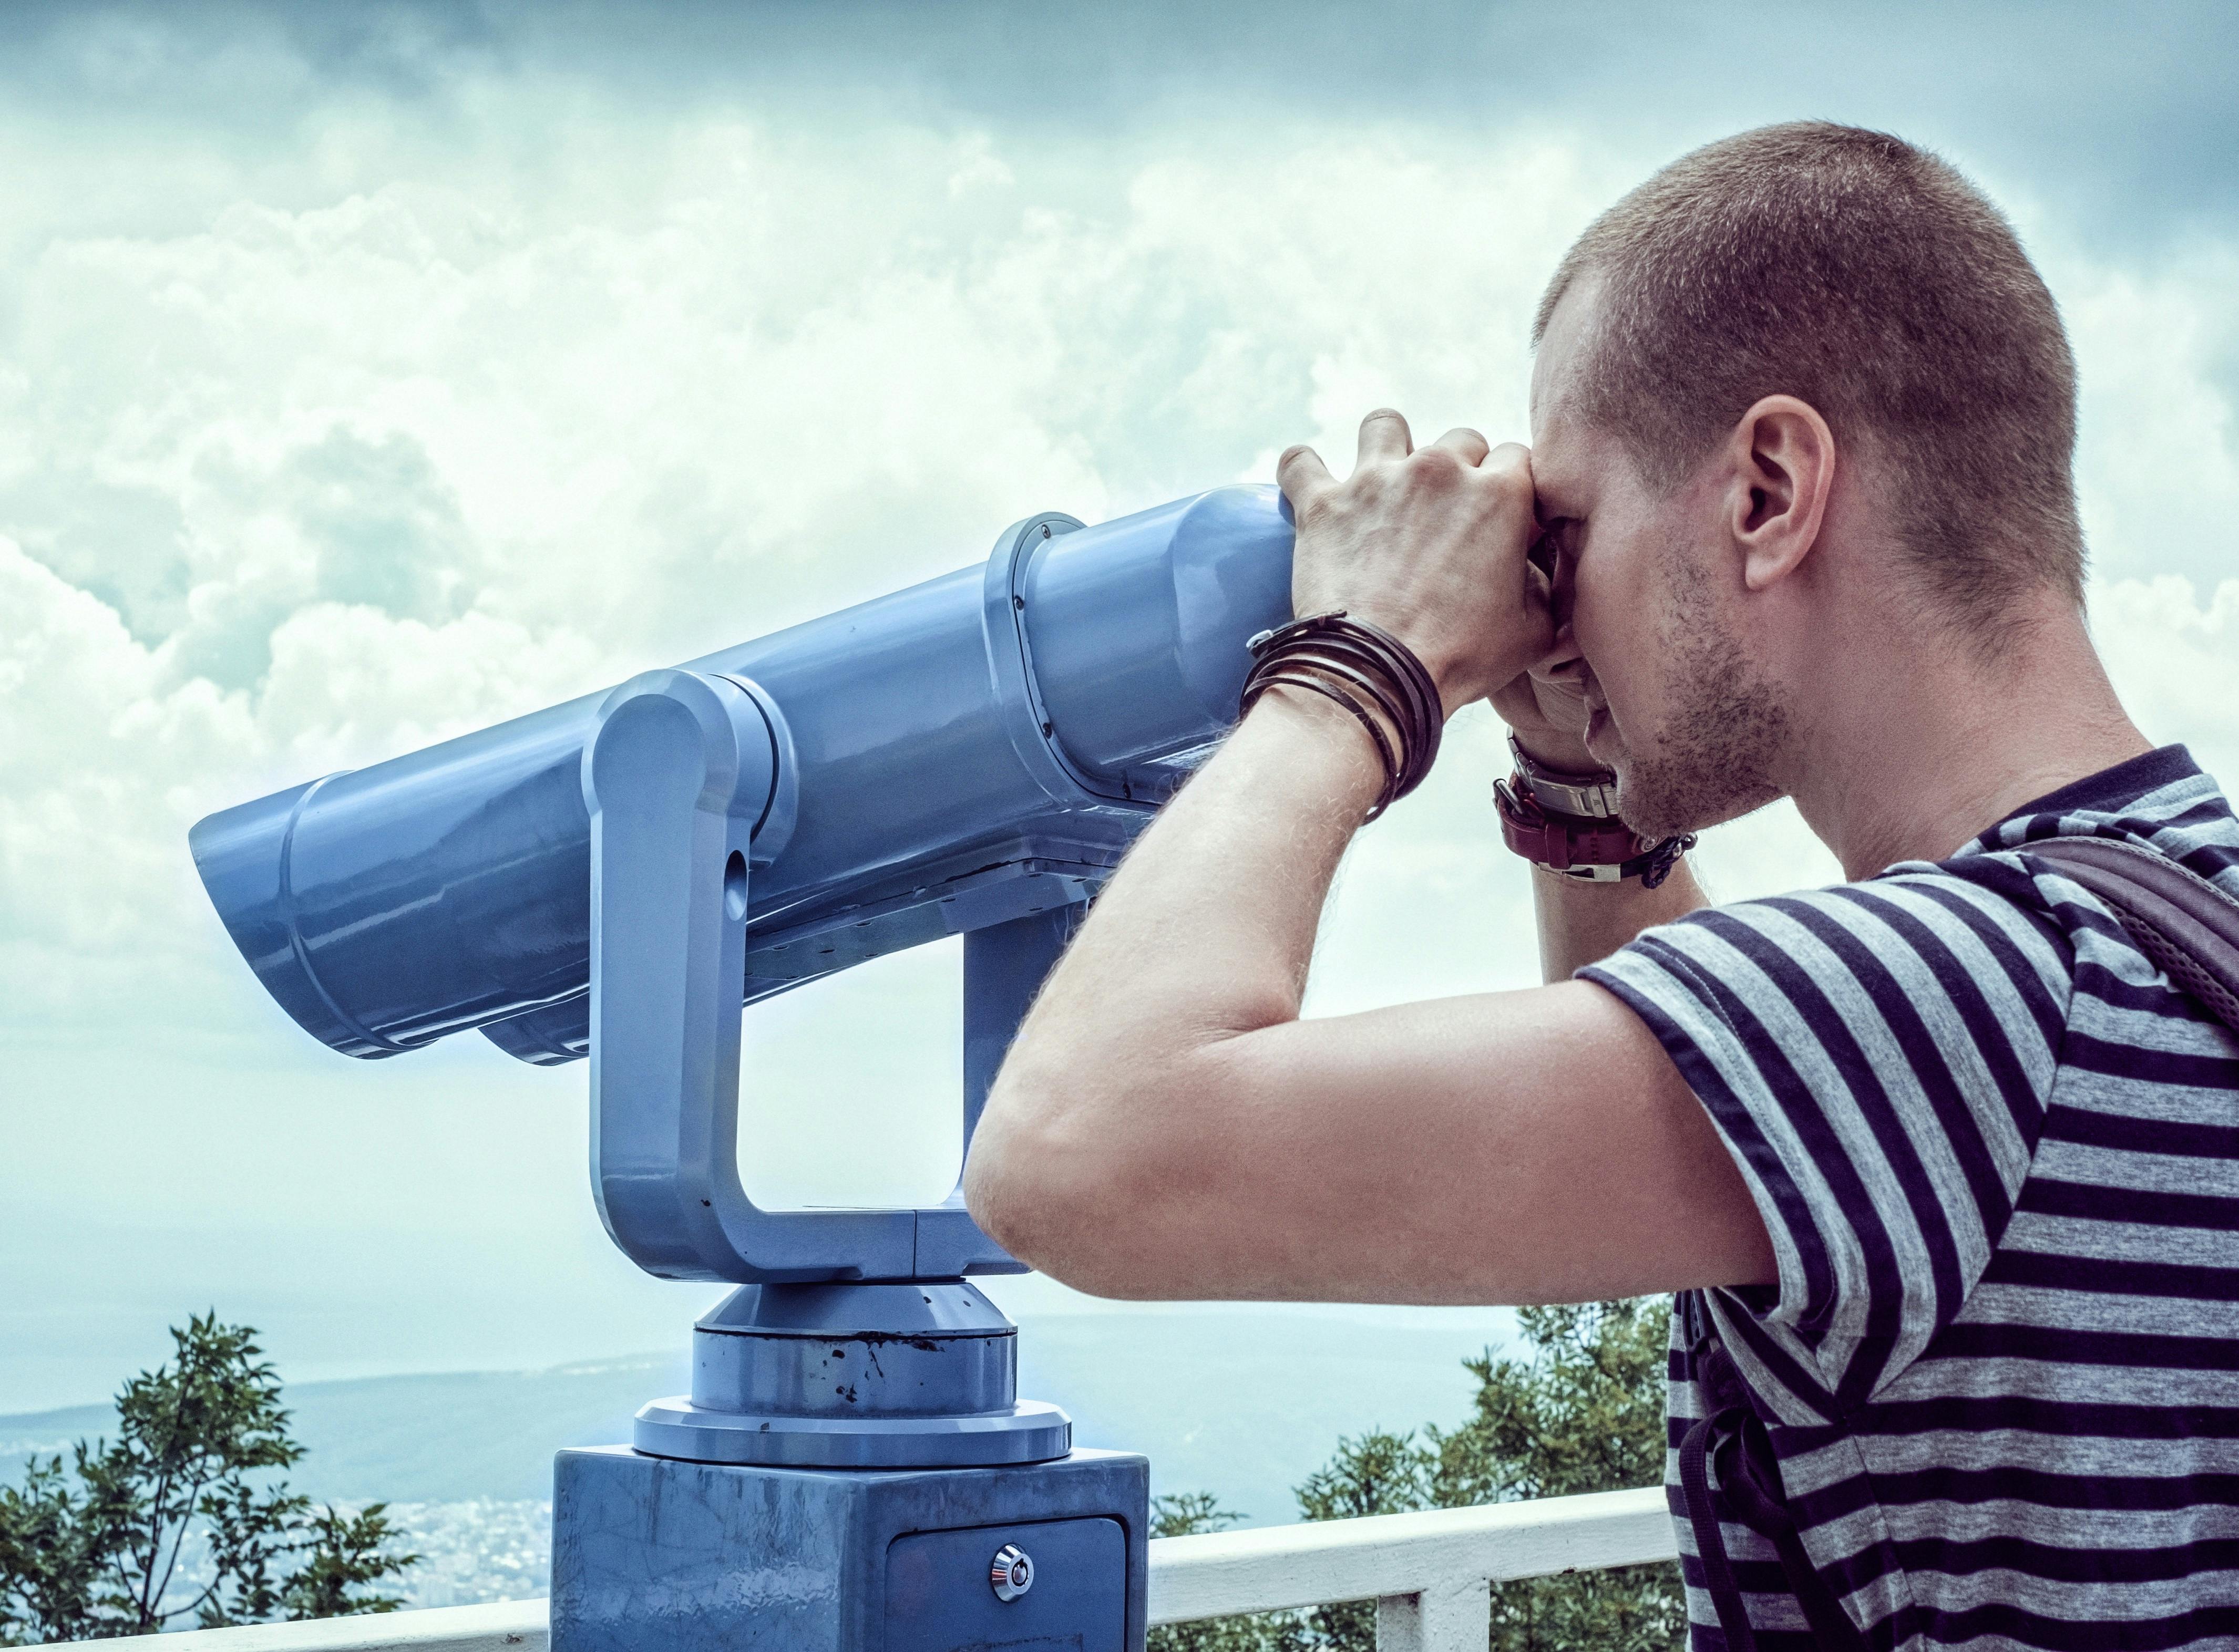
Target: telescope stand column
x: 852, y: 1472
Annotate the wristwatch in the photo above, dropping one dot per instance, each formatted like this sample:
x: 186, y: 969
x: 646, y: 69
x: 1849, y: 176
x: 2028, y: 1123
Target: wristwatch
x: 1590, y: 796
x: 1568, y: 822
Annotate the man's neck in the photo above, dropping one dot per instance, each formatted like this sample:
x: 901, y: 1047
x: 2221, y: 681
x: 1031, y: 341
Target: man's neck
x: 1909, y: 755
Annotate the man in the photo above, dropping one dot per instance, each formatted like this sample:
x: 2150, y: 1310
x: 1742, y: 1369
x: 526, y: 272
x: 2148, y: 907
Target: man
x: 1956, y: 1168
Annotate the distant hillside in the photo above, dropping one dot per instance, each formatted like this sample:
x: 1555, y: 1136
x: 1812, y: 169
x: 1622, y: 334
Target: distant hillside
x: 1242, y: 1403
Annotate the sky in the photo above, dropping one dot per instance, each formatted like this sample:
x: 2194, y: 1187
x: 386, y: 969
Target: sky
x: 368, y: 374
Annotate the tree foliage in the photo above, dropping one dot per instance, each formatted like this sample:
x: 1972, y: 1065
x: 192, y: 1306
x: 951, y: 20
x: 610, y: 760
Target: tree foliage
x: 97, y: 1550
x: 1582, y: 1411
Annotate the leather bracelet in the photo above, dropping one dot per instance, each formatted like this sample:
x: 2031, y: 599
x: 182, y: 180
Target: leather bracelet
x: 1360, y: 666
x: 1307, y: 681
x: 1588, y: 849
x: 1329, y: 638
x: 1348, y: 677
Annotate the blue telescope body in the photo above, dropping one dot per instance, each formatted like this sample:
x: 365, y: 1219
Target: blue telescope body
x: 613, y: 877
x: 958, y: 753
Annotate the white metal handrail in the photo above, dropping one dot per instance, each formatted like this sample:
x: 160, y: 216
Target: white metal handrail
x: 1430, y: 1574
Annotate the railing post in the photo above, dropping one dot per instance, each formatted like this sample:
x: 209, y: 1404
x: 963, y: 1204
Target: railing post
x: 1454, y: 1617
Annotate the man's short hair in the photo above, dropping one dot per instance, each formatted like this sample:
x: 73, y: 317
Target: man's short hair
x: 1869, y: 278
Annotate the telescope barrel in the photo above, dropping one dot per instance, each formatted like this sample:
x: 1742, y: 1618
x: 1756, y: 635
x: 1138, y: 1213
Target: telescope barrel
x: 953, y: 755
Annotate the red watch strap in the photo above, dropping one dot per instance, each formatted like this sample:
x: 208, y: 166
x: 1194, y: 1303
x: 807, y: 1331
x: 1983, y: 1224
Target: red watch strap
x: 1560, y: 841
x: 1603, y: 851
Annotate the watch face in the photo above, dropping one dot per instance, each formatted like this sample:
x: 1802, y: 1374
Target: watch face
x: 1579, y: 797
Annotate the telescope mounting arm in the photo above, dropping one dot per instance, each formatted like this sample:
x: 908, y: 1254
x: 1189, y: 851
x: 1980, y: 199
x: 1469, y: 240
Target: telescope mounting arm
x: 686, y: 786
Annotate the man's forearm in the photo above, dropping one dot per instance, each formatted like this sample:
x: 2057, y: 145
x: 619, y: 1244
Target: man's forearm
x: 1211, y: 921
x: 1583, y: 923
x: 1202, y: 936
x: 1166, y: 1125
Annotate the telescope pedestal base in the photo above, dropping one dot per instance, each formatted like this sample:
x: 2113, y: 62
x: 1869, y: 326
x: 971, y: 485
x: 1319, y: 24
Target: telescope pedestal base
x: 1029, y: 1432
x: 654, y: 1555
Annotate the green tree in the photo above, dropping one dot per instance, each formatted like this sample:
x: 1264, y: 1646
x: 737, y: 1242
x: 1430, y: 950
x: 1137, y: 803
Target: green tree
x: 96, y: 1551
x: 1376, y: 1473
x: 1583, y: 1410
x: 349, y: 1553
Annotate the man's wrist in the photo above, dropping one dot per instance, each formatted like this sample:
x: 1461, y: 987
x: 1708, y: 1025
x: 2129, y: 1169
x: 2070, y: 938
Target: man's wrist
x: 1603, y: 889
x: 1597, y: 848
x: 1553, y: 751
x: 1334, y: 729
x: 1377, y: 679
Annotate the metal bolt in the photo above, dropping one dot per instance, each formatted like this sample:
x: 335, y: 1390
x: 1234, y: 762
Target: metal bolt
x: 1012, y: 1572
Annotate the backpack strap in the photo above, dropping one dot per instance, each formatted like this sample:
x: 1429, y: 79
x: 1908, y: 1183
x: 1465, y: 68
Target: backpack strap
x: 2185, y: 924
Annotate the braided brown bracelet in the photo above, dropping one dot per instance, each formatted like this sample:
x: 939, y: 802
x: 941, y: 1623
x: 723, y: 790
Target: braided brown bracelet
x: 1360, y: 666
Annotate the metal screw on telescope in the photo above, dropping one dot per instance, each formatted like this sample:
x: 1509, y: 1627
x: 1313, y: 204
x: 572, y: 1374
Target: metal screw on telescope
x: 1012, y: 1574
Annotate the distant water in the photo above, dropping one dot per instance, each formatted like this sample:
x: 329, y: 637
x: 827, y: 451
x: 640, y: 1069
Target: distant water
x: 1241, y: 1402
x: 1246, y: 1403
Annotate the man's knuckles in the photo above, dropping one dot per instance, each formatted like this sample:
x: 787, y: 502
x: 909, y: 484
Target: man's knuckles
x: 1438, y: 467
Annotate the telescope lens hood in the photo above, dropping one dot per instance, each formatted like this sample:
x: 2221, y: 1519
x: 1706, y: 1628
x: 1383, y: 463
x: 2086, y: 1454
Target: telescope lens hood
x: 242, y: 856
x: 942, y: 750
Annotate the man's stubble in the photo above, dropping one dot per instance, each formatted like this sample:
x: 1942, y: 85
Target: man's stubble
x: 1715, y: 754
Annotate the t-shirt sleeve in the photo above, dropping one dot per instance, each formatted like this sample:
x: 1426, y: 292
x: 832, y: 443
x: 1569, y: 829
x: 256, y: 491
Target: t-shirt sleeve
x: 1879, y: 1058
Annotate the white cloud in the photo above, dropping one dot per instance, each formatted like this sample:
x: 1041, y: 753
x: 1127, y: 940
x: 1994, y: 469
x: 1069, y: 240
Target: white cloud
x: 2159, y: 462
x: 308, y: 461
x: 346, y: 477
x: 2175, y: 658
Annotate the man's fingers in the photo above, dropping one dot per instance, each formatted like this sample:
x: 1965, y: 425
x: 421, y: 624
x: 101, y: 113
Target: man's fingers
x: 1300, y: 472
x: 1462, y: 440
x: 1383, y: 435
x: 1510, y: 456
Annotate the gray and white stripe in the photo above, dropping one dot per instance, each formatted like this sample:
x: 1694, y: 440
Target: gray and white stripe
x: 1998, y: 1158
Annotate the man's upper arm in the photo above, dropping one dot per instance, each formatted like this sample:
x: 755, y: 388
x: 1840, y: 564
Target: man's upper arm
x: 1879, y: 1057
x: 1530, y: 1146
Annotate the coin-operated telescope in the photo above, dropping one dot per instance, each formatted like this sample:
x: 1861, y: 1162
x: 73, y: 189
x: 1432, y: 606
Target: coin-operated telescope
x: 615, y: 876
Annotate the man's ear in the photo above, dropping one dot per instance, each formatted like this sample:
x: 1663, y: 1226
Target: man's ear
x: 1782, y: 473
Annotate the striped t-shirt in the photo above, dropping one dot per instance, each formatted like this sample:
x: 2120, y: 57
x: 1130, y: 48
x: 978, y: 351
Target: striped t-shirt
x: 1998, y: 1156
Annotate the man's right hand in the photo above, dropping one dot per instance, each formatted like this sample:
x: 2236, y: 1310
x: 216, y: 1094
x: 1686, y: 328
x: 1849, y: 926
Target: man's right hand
x: 1546, y: 712
x: 1545, y: 707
